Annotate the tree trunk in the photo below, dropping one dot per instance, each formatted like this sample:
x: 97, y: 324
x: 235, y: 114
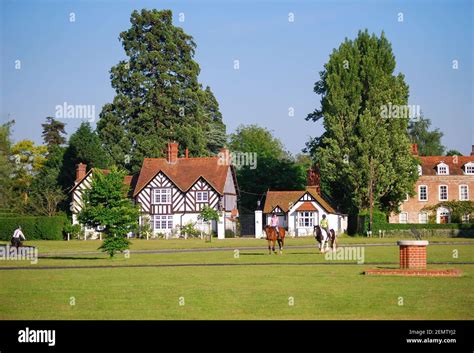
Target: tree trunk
x: 371, y: 195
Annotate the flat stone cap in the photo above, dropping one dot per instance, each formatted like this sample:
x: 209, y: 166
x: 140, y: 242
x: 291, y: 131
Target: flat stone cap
x: 412, y: 242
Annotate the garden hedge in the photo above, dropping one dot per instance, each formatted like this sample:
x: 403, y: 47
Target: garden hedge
x: 34, y: 227
x: 379, y: 220
x: 397, y: 226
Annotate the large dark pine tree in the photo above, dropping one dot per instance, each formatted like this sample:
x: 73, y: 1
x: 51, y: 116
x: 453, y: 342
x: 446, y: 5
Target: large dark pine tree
x: 53, y: 132
x: 158, y: 96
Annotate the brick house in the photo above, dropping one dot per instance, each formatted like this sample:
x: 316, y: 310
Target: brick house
x: 441, y: 178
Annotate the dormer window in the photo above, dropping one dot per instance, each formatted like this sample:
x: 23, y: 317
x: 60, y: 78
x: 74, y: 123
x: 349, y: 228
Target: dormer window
x: 469, y: 168
x: 442, y: 169
x: 420, y: 171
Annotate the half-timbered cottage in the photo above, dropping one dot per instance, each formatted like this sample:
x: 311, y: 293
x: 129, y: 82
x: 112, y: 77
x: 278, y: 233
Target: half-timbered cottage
x: 84, y: 182
x: 299, y: 211
x: 172, y: 191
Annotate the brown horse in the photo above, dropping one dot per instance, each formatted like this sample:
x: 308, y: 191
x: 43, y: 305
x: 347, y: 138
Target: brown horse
x: 324, y: 240
x: 272, y: 237
x: 16, y: 242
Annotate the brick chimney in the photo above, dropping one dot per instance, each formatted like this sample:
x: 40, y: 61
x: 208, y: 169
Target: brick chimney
x: 80, y: 171
x: 313, y: 179
x: 472, y: 150
x: 414, y: 149
x: 172, y: 155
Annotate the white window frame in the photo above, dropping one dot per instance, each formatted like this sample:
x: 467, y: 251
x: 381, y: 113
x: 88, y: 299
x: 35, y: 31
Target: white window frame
x: 419, y: 193
x: 200, y: 198
x: 308, y: 216
x: 465, y: 218
x: 442, y: 165
x: 469, y: 168
x: 162, y: 222
x: 460, y: 192
x: 439, y: 193
x: 403, y: 221
x: 424, y: 215
x: 407, y: 197
x: 403, y: 217
x: 420, y: 170
x: 164, y: 196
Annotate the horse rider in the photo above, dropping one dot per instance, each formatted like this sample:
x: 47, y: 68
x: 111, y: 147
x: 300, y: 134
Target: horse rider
x: 325, y: 225
x: 275, y: 224
x: 17, y: 237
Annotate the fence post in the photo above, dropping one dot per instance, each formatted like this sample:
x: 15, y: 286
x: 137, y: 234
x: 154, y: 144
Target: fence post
x: 258, y: 223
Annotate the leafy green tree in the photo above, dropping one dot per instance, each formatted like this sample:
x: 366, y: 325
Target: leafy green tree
x: 453, y: 153
x: 84, y: 146
x: 364, y: 155
x: 28, y: 159
x: 47, y: 196
x: 216, y: 130
x: 106, y: 205
x: 253, y: 138
x: 207, y: 215
x: 158, y: 96
x: 53, y: 132
x: 274, y: 169
x: 429, y: 142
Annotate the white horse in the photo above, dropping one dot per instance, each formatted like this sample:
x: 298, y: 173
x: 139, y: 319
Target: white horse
x: 324, y: 238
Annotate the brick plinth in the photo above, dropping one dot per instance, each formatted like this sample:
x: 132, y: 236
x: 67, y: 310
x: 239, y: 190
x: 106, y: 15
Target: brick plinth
x: 413, y: 254
x: 423, y: 273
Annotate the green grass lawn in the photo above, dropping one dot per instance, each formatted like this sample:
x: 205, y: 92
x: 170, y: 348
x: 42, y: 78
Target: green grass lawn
x: 249, y: 291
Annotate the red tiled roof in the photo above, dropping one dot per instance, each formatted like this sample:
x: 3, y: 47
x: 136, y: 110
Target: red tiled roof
x: 429, y: 163
x: 284, y: 199
x: 185, y: 172
x: 306, y: 206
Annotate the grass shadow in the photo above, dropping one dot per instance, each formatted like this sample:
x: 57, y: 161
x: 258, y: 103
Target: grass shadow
x: 72, y: 258
x: 252, y: 254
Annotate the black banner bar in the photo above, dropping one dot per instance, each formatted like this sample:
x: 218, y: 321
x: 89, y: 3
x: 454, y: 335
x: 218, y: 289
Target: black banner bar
x: 236, y: 336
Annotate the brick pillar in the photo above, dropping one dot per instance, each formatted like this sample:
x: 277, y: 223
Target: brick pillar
x: 413, y: 254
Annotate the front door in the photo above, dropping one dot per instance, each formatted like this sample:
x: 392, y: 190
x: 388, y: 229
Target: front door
x: 443, y: 219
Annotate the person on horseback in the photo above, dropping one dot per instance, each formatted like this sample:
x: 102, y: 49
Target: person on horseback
x: 275, y: 224
x: 324, y: 224
x: 17, y: 237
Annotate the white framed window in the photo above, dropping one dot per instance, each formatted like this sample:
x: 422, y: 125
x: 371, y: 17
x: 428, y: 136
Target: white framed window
x: 162, y: 222
x: 423, y: 217
x: 162, y: 196
x: 202, y: 196
x: 465, y: 218
x: 422, y: 193
x: 403, y: 218
x: 407, y: 197
x: 420, y: 170
x: 463, y: 192
x: 306, y: 219
x: 443, y: 169
x: 469, y: 168
x: 443, y: 192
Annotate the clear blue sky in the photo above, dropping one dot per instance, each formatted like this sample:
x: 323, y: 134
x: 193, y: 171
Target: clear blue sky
x: 63, y: 61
